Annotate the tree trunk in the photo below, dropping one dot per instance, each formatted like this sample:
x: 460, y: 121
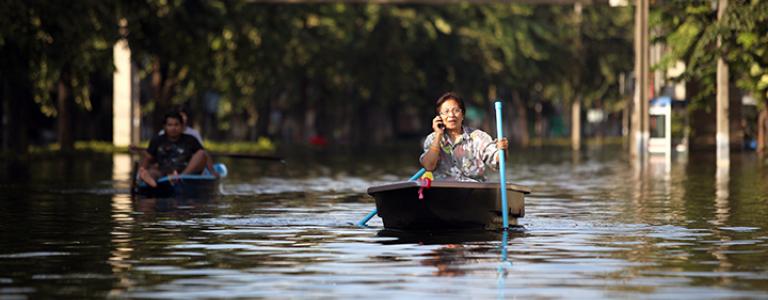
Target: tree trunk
x: 640, y: 118
x: 5, y: 94
x: 16, y: 97
x: 156, y: 82
x: 539, y: 128
x: 65, y: 130
x: 320, y: 123
x: 522, y: 118
x: 722, y: 137
x: 625, y: 129
x: 265, y: 115
x: 305, y: 110
x: 238, y: 127
x: 364, y: 136
x: 701, y: 125
x: 761, y: 129
x: 251, y: 116
x: 735, y: 117
x: 393, y: 115
x: 162, y: 85
x: 576, y: 124
x: 489, y: 122
x: 17, y: 101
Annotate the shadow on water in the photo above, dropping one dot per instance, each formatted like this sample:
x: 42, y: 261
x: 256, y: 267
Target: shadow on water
x: 447, y: 236
x: 453, y: 253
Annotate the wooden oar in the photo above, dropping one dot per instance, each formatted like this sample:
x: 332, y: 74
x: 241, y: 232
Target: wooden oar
x: 375, y: 211
x: 502, y: 173
x: 228, y: 154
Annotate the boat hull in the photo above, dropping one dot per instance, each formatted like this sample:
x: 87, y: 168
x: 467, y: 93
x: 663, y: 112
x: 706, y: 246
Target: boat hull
x: 447, y: 205
x: 187, y: 185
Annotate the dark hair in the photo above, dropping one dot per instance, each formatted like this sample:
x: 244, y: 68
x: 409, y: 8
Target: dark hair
x: 449, y: 96
x: 172, y: 115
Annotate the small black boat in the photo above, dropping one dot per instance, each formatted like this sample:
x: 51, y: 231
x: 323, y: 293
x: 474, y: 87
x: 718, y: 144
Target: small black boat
x: 187, y: 185
x: 447, y: 205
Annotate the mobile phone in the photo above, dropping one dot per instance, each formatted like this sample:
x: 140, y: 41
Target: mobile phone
x: 440, y: 124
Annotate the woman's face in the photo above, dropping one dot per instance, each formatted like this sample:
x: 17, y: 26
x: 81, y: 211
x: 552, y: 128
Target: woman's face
x: 451, y: 113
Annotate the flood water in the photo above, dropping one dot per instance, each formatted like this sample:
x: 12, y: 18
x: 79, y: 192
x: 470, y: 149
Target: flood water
x: 595, y: 227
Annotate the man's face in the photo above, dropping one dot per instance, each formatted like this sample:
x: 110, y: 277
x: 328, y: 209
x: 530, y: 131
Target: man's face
x: 173, y: 127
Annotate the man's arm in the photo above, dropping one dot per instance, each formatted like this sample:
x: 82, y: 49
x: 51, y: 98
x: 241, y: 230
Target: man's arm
x: 147, y: 156
x: 146, y: 160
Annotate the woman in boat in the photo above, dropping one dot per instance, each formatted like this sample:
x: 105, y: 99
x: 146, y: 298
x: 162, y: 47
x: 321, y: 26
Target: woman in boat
x: 454, y: 151
x: 174, y: 152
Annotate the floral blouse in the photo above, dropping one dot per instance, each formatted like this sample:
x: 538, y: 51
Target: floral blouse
x: 467, y: 158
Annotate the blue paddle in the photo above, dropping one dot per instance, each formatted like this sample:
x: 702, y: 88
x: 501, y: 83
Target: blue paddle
x: 374, y: 211
x: 502, y: 173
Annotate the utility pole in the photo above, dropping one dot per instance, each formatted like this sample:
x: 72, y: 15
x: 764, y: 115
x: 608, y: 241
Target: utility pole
x: 639, y: 136
x: 125, y: 94
x: 576, y: 102
x: 723, y: 139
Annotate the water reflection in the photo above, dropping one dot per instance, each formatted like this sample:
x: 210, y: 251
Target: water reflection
x: 123, y: 223
x: 722, y: 213
x: 151, y: 208
x: 722, y: 179
x: 458, y: 249
x: 122, y: 243
x: 503, y: 265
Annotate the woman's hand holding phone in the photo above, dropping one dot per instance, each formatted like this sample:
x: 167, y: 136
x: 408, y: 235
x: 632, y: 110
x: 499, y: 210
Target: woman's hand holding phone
x: 437, y: 125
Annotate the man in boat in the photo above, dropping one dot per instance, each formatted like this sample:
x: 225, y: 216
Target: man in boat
x: 174, y: 152
x: 187, y: 128
x: 196, y: 134
x: 454, y: 151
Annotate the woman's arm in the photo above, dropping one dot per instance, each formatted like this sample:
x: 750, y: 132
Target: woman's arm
x: 432, y: 148
x: 432, y: 155
x: 502, y: 145
x: 489, y: 152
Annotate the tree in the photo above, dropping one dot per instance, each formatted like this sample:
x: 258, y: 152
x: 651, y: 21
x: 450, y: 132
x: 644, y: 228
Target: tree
x: 66, y: 42
x: 690, y: 30
x: 746, y: 49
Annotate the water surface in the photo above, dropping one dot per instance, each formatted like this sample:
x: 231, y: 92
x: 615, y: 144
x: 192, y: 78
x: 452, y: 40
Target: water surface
x: 596, y: 227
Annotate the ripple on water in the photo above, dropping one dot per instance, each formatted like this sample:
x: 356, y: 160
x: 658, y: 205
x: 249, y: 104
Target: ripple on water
x: 595, y: 229
x: 740, y: 229
x: 275, y: 185
x: 34, y: 254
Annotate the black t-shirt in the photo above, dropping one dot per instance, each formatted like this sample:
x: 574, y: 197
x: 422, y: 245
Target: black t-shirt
x: 173, y: 155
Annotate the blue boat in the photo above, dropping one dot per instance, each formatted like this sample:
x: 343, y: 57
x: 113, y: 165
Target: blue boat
x: 187, y: 185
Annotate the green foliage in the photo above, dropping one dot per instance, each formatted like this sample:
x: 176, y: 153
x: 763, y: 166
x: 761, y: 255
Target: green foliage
x: 341, y: 62
x: 389, y: 55
x: 746, y: 46
x: 262, y: 145
x: 688, y: 29
x: 691, y: 29
x: 62, y: 41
